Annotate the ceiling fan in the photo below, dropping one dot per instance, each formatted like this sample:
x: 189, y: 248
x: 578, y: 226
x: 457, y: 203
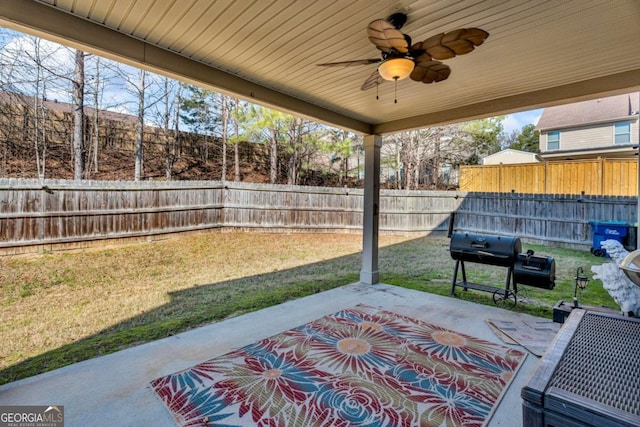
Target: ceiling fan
x: 420, y: 61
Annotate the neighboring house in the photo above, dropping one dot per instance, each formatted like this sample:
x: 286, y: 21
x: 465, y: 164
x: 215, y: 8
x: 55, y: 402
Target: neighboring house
x: 605, y: 127
x: 510, y: 157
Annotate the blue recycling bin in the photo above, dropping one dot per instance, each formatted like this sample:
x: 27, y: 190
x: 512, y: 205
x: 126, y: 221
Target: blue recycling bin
x: 607, y: 230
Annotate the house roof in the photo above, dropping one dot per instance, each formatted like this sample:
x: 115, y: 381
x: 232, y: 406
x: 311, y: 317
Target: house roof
x: 508, y: 155
x: 510, y: 151
x: 539, y: 52
x: 600, y: 110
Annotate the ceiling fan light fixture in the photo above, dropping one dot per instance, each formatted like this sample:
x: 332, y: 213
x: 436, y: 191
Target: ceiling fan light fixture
x: 396, y: 68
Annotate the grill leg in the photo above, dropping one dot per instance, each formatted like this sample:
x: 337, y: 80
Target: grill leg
x: 508, y: 283
x: 511, y: 278
x: 455, y: 278
x: 464, y: 275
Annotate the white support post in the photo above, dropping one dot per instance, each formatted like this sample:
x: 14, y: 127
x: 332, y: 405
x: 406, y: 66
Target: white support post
x: 369, y: 272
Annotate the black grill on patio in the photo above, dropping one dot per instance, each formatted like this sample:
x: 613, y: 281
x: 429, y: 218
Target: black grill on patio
x: 502, y: 251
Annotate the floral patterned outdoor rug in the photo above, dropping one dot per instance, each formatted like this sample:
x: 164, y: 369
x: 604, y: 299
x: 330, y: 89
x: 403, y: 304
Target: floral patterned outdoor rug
x: 362, y: 366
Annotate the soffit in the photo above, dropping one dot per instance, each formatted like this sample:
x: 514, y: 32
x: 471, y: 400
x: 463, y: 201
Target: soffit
x: 539, y: 52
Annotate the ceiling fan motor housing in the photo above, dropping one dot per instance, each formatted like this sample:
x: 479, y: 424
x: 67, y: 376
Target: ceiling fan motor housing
x: 397, y: 20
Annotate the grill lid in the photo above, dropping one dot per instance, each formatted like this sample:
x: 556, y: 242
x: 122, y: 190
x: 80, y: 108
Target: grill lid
x: 485, y: 249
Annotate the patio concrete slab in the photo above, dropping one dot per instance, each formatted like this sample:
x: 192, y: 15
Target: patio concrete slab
x: 114, y: 390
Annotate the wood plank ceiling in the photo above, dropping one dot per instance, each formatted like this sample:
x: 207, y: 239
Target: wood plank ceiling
x: 539, y: 52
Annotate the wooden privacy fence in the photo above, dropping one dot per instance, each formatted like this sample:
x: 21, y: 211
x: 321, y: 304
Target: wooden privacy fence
x: 57, y: 212
x: 559, y: 220
x: 598, y: 177
x: 35, y: 216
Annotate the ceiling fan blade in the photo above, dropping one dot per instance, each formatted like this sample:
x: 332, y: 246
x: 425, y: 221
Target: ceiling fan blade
x: 351, y: 63
x: 372, y: 81
x: 456, y: 42
x: 422, y: 57
x: 475, y: 35
x: 430, y: 72
x: 386, y: 37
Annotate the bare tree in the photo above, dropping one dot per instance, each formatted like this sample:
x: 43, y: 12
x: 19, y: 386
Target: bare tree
x: 91, y: 163
x: 101, y: 78
x: 225, y: 113
x: 293, y: 141
x: 168, y: 157
x: 39, y: 113
x: 236, y: 151
x: 78, y: 116
x: 391, y: 158
x: 418, y: 156
x: 39, y: 69
x: 176, y: 130
x: 144, y: 87
x: 139, y: 158
x: 25, y: 76
x: 170, y: 119
x: 412, y: 153
x: 273, y: 155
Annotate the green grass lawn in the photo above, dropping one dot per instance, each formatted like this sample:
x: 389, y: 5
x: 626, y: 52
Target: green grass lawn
x: 61, y: 308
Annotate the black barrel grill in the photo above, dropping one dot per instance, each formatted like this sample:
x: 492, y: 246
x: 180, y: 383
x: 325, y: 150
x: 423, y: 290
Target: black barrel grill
x: 492, y: 250
x: 502, y: 251
x: 533, y: 270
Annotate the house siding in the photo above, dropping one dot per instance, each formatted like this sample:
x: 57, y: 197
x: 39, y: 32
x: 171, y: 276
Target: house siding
x: 585, y: 137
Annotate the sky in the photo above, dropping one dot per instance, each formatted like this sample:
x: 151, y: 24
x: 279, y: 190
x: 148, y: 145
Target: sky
x: 516, y: 121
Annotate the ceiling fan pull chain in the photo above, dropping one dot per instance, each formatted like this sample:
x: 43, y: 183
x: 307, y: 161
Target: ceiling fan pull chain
x: 395, y: 91
x: 377, y: 87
